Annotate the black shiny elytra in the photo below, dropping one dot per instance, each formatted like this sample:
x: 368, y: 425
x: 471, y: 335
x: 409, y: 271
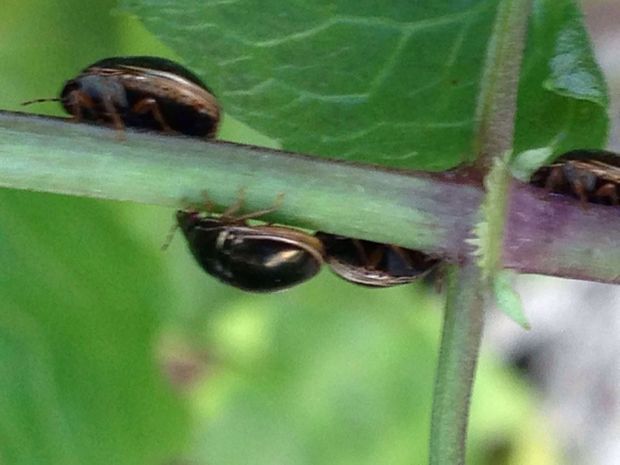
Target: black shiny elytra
x: 142, y: 92
x: 252, y: 258
x: 590, y: 175
x: 374, y: 264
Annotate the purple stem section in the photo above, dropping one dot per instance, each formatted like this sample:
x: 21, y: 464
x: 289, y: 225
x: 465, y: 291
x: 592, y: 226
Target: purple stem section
x: 555, y: 235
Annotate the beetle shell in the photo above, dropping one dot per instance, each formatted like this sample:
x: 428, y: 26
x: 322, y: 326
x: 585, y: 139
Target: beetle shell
x: 590, y: 175
x: 252, y: 258
x: 374, y: 264
x: 143, y: 92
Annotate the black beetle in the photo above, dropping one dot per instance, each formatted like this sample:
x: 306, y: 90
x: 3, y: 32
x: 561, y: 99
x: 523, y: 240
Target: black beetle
x: 253, y: 258
x: 374, y: 264
x: 142, y: 92
x: 590, y: 175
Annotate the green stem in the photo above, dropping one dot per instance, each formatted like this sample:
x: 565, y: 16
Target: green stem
x: 52, y: 155
x: 497, y: 101
x: 463, y: 321
x: 543, y: 234
x: 462, y: 331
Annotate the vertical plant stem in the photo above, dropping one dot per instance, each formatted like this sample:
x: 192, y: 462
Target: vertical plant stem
x: 497, y: 102
x: 463, y: 320
x: 462, y: 330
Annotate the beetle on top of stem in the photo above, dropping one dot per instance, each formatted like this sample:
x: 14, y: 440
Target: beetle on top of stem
x: 590, y: 175
x: 141, y: 92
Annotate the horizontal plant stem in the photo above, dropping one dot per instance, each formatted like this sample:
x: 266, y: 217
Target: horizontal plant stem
x: 52, y: 155
x: 432, y: 213
x: 555, y: 235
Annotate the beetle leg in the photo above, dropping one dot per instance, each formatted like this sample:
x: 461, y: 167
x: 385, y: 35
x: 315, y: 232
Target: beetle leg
x: 111, y: 111
x: 581, y: 192
x: 256, y: 214
x: 402, y: 254
x: 150, y: 105
x: 408, y: 258
x: 375, y: 257
x: 229, y: 213
x: 361, y: 252
x: 77, y: 100
x: 608, y: 190
x: 555, y: 178
x: 208, y: 203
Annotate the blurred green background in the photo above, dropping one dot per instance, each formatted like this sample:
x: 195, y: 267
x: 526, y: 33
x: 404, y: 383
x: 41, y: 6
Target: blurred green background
x: 114, y: 352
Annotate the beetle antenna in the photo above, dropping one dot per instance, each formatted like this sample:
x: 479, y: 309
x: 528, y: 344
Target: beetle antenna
x: 40, y: 100
x: 169, y: 237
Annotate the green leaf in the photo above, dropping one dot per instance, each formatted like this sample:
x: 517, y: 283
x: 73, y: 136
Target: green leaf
x: 562, y: 94
x: 508, y: 299
x: 78, y: 316
x: 525, y: 163
x: 393, y: 84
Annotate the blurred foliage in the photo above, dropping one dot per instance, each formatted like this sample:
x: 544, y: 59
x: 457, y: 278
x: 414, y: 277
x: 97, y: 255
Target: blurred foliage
x: 78, y: 380
x: 91, y: 310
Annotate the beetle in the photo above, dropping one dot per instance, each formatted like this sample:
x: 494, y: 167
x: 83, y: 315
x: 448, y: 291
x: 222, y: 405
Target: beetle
x: 253, y: 258
x: 141, y: 92
x: 374, y: 264
x: 590, y: 175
